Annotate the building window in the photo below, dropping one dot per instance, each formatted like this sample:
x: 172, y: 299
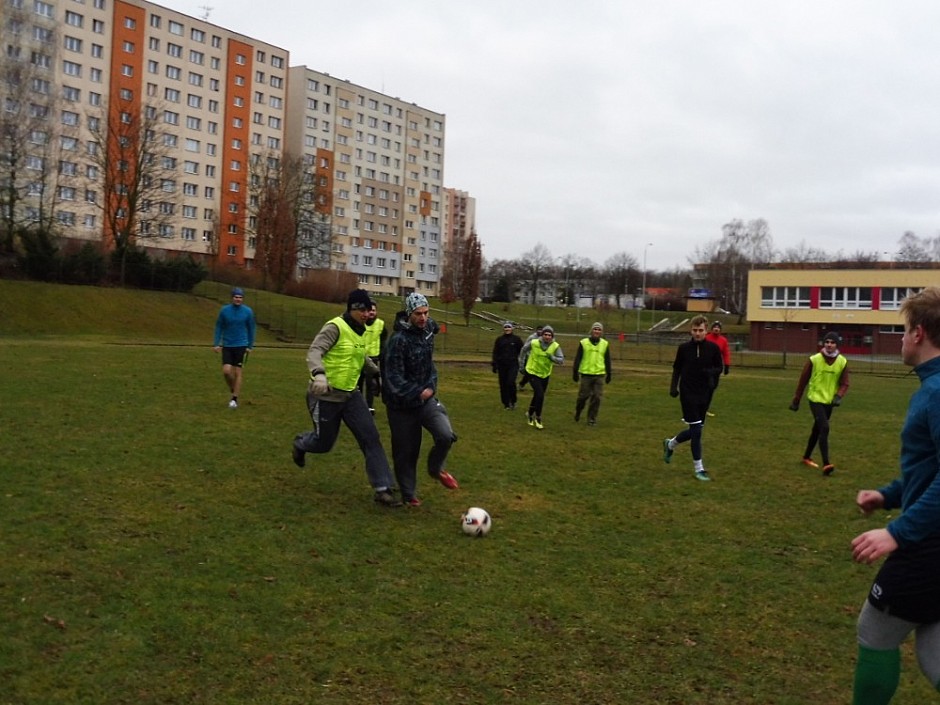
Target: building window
x: 785, y: 297
x: 854, y: 297
x: 893, y: 296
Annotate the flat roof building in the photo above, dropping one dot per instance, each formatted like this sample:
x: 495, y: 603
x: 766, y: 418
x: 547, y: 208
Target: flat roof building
x: 792, y: 308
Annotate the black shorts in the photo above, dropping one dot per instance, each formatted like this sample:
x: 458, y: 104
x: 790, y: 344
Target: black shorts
x: 233, y: 356
x: 908, y: 584
x: 694, y: 409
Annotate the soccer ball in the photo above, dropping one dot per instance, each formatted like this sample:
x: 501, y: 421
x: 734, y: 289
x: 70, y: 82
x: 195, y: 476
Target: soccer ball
x: 476, y: 522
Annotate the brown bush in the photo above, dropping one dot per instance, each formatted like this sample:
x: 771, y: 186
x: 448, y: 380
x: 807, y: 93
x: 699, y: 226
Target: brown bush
x: 330, y: 285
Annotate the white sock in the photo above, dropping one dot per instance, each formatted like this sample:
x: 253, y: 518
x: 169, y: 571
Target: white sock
x: 672, y: 443
x: 699, y: 465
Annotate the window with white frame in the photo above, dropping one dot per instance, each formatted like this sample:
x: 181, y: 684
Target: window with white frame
x: 784, y: 297
x: 852, y: 297
x: 893, y: 296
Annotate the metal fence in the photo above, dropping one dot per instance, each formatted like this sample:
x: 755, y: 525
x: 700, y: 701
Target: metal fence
x: 294, y: 324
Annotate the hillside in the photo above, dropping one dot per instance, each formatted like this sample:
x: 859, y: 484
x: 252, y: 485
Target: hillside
x: 40, y: 310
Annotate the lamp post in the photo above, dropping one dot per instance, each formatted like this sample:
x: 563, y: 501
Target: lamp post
x: 643, y: 292
x: 642, y: 296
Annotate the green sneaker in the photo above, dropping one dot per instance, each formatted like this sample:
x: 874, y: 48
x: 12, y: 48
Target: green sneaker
x: 702, y: 475
x: 667, y: 451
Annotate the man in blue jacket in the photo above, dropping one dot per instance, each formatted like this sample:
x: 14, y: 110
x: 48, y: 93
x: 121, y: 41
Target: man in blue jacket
x: 905, y: 596
x: 234, y: 337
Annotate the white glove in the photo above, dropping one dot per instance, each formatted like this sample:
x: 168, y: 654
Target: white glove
x: 319, y: 386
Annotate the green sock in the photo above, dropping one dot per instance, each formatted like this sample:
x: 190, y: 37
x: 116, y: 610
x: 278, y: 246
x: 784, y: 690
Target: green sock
x: 877, y: 674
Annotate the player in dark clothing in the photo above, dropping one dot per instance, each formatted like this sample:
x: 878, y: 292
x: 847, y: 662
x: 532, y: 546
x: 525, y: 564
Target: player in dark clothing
x: 506, y: 351
x: 695, y: 374
x: 409, y: 390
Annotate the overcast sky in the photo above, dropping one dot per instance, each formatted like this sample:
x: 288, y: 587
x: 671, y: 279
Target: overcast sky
x: 598, y: 127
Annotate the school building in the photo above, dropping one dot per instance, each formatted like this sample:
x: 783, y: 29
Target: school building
x: 792, y: 308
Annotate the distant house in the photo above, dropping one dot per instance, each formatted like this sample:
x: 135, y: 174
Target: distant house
x: 791, y: 308
x: 700, y: 300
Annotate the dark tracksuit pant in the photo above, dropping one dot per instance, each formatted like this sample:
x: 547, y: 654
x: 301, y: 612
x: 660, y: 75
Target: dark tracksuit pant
x: 327, y: 416
x: 406, y: 426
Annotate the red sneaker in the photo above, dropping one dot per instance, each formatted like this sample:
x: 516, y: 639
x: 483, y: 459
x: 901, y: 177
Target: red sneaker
x: 413, y: 502
x: 448, y: 480
x: 808, y: 462
x: 829, y: 469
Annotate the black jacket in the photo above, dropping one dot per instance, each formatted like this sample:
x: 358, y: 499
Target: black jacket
x: 696, y: 369
x: 506, y: 350
x: 409, y: 363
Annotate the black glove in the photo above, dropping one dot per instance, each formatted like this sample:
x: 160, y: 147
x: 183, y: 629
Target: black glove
x: 727, y: 369
x: 495, y: 369
x: 607, y: 379
x: 375, y: 386
x: 794, y: 405
x: 837, y: 400
x: 574, y: 375
x: 673, y: 392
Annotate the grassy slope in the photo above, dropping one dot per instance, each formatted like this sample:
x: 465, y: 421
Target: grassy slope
x: 33, y: 309
x: 36, y: 310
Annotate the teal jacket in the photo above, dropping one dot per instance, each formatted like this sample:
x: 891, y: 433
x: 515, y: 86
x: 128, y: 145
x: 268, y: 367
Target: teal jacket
x: 235, y: 327
x: 917, y: 491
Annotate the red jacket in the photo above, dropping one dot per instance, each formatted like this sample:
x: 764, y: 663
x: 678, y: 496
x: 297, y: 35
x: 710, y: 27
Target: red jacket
x: 722, y: 343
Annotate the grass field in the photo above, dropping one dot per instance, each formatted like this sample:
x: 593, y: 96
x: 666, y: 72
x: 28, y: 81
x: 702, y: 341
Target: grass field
x: 156, y: 547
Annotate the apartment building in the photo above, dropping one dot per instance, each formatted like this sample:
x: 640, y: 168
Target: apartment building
x: 381, y: 162
x: 107, y: 76
x: 117, y: 89
x: 460, y: 216
x: 792, y: 307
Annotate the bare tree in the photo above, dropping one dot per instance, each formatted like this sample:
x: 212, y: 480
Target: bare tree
x: 137, y: 173
x: 504, y: 277
x: 284, y: 218
x: 463, y: 267
x: 27, y: 147
x: 617, y: 273
x: 568, y: 273
x: 470, y: 274
x: 805, y: 254
x: 913, y: 249
x: 742, y: 246
x: 535, y: 266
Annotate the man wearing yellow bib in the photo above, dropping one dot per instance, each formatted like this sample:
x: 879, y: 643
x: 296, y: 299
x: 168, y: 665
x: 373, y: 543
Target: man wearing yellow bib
x: 825, y: 379
x: 336, y: 359
x: 592, y: 366
x: 541, y: 357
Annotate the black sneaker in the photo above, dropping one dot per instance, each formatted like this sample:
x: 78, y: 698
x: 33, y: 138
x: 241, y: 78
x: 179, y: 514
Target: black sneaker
x: 297, y: 454
x: 387, y: 499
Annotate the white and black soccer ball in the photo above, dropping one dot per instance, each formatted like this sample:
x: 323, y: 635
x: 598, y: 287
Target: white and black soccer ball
x: 476, y: 522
